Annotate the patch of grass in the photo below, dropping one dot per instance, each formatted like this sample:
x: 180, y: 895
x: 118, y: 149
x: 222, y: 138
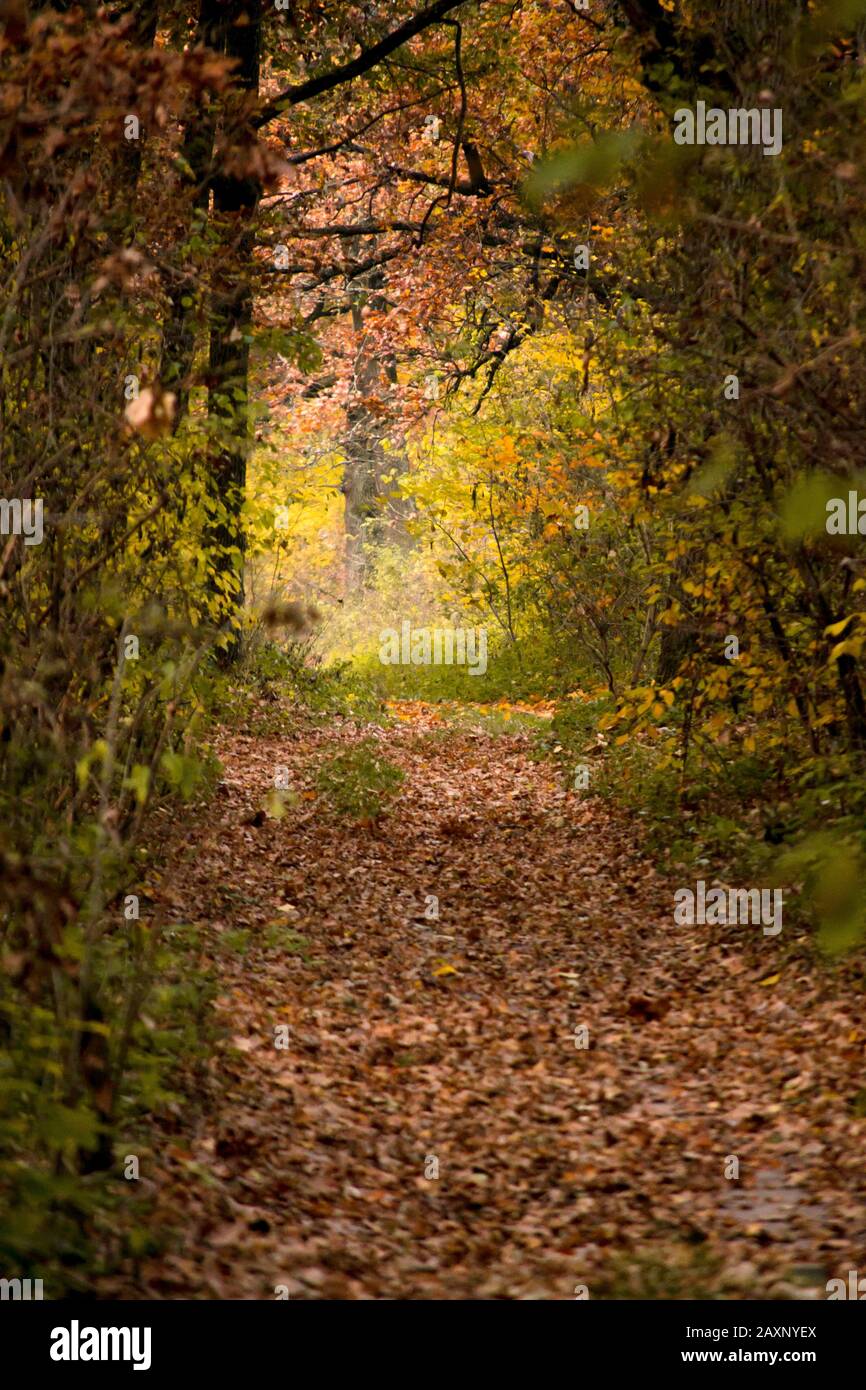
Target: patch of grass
x: 359, y: 782
x: 279, y: 937
x: 683, y: 1272
x: 236, y: 940
x: 494, y: 720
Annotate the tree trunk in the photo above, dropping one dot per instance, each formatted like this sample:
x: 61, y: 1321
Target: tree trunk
x: 178, y: 333
x: 235, y: 202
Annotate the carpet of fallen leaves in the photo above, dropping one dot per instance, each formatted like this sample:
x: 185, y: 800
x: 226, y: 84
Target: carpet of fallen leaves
x: 413, y: 1039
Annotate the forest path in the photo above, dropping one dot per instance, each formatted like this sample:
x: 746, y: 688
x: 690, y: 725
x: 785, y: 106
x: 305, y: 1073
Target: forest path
x: 415, y: 1043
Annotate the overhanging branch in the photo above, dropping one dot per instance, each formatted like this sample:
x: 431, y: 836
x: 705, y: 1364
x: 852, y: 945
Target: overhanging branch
x: 347, y: 72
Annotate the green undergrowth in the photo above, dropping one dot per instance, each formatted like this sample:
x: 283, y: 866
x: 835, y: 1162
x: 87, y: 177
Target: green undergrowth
x: 736, y: 816
x: 73, y: 1181
x: 276, y: 687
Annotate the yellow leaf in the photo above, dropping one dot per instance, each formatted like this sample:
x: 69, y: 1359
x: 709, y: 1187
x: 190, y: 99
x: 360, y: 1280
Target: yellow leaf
x: 771, y: 980
x: 845, y: 649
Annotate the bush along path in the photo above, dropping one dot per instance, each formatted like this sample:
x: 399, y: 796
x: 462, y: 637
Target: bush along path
x: 466, y: 1051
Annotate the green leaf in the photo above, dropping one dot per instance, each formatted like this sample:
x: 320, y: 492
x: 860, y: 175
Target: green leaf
x: 138, y: 781
x: 713, y: 475
x: 596, y: 163
x: 804, y: 510
x: 182, y: 773
x: 62, y: 1126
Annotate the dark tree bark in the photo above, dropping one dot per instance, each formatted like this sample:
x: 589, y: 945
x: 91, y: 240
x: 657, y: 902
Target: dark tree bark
x: 179, y: 332
x: 235, y: 203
